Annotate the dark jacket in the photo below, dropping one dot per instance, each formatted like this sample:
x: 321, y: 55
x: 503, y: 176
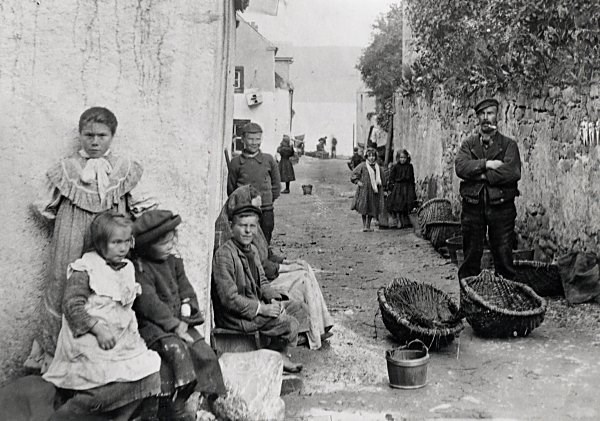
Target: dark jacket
x: 164, y: 286
x: 235, y: 292
x: 261, y: 172
x: 499, y: 184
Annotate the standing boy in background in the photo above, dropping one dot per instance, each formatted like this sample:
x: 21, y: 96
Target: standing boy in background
x: 259, y: 170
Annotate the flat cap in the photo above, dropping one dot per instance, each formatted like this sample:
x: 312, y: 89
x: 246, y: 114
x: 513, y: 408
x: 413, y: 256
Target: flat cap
x: 153, y: 224
x: 488, y: 102
x: 240, y: 202
x: 251, y: 128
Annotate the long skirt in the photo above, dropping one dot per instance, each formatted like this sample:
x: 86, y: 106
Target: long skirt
x: 286, y: 170
x: 402, y: 199
x: 298, y: 281
x: 366, y: 201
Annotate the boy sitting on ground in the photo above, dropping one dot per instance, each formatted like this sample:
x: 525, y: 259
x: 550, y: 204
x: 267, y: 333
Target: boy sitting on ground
x: 242, y: 297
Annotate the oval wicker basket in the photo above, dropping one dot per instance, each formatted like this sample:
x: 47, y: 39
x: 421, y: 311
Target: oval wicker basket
x: 439, y: 231
x: 437, y: 209
x: 543, y: 278
x: 413, y: 310
x: 497, y: 307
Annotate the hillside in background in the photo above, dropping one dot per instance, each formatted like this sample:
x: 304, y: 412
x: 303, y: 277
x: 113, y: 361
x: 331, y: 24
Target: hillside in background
x: 324, y: 74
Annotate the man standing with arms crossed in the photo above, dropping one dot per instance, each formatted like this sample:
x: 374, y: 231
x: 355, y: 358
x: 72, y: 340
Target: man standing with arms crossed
x: 489, y: 166
x: 261, y: 171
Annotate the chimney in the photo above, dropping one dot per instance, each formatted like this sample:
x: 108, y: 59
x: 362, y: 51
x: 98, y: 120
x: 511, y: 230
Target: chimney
x: 254, y: 25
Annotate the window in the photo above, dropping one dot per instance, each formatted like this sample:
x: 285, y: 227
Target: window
x: 238, y: 80
x: 236, y: 142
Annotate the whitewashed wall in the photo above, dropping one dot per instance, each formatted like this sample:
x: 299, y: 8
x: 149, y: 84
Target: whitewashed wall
x: 164, y: 68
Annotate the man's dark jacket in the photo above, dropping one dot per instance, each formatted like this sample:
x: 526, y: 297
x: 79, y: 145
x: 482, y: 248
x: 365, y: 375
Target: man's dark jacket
x: 501, y: 183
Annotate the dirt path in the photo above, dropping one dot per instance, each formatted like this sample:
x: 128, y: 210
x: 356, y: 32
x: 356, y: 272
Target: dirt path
x: 552, y: 374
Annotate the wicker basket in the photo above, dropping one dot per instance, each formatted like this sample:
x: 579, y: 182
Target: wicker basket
x: 496, y: 307
x: 412, y: 310
x: 543, y: 278
x: 439, y: 231
x: 434, y: 210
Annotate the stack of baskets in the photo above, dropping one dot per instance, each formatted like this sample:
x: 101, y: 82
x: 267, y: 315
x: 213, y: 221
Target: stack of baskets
x: 439, y: 231
x: 543, y: 278
x: 496, y: 307
x: 436, y: 221
x: 434, y: 210
x: 412, y: 310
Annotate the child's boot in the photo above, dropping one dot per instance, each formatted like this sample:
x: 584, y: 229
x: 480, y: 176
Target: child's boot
x: 176, y: 409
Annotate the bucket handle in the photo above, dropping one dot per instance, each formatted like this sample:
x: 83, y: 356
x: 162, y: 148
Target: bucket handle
x: 423, y: 346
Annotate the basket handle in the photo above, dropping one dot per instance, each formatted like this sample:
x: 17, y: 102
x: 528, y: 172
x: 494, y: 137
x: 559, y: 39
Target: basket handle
x: 423, y: 346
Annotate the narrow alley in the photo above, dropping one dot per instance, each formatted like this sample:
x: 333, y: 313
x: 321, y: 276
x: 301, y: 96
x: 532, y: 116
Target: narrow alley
x: 552, y: 374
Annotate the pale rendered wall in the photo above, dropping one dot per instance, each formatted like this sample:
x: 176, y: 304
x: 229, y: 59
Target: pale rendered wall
x: 262, y: 114
x: 163, y: 67
x: 257, y: 55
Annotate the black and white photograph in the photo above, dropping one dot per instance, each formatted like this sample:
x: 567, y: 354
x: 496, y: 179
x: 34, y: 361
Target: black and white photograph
x: 300, y: 210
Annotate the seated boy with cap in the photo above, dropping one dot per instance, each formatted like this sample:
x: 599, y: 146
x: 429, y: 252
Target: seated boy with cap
x: 242, y: 297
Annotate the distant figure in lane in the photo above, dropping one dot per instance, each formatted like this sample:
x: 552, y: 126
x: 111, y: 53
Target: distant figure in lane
x: 259, y: 170
x: 401, y: 184
x: 356, y: 159
x: 286, y: 169
x: 368, y: 177
x: 333, y: 148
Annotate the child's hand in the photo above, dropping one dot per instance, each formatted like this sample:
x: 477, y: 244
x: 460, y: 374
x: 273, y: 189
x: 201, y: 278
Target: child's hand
x: 271, y: 310
x: 106, y: 340
x: 182, y: 332
x: 360, y: 183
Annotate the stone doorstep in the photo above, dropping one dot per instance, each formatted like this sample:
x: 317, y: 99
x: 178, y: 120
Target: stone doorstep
x: 291, y: 383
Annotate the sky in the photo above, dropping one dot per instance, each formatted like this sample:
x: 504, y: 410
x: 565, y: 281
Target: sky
x: 321, y: 22
x: 325, y: 38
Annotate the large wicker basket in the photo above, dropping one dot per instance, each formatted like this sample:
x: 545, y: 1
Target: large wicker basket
x: 543, y: 278
x: 438, y: 209
x: 412, y: 310
x: 439, y: 231
x: 496, y: 307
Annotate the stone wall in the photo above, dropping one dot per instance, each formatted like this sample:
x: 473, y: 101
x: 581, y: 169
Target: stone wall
x: 164, y: 68
x: 558, y: 133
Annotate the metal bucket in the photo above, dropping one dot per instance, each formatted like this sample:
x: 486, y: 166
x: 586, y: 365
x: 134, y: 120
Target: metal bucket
x: 307, y: 188
x: 407, y: 368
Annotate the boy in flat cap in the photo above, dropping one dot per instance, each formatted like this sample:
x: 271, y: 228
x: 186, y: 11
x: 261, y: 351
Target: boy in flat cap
x: 259, y: 170
x: 489, y: 166
x: 242, y: 297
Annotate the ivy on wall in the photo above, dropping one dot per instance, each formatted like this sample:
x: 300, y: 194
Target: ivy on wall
x: 498, y: 45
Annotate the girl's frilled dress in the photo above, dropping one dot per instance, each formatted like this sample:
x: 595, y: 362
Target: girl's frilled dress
x: 366, y: 200
x: 102, y: 380
x: 74, y: 204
